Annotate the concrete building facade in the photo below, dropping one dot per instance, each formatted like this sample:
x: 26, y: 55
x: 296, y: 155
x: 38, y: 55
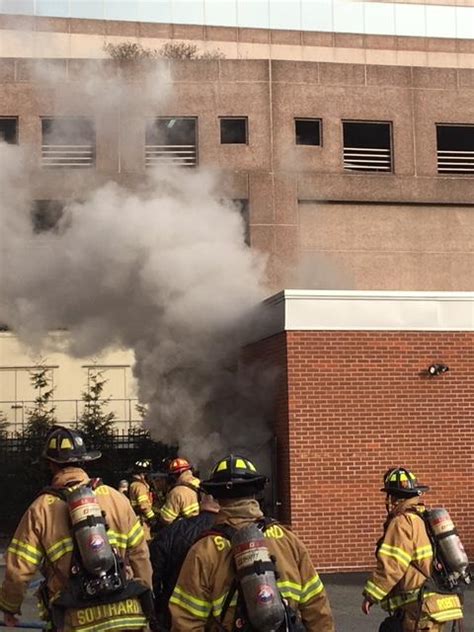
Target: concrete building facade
x: 355, y: 152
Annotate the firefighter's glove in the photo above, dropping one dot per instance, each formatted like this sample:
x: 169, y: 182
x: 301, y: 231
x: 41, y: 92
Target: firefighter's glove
x: 366, y: 605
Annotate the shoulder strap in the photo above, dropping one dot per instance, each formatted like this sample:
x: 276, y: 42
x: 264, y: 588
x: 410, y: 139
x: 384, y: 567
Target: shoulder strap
x: 225, y: 530
x: 189, y: 486
x: 61, y: 492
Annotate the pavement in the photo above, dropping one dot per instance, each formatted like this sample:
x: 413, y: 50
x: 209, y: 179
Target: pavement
x: 344, y: 590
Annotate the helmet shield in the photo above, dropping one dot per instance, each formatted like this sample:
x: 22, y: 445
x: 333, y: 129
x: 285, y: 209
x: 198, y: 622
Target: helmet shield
x: 402, y: 483
x: 67, y: 446
x: 142, y: 466
x: 234, y: 477
x: 178, y: 466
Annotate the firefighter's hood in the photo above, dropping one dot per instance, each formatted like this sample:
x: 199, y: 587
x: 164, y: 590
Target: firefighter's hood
x: 70, y: 476
x: 239, y: 512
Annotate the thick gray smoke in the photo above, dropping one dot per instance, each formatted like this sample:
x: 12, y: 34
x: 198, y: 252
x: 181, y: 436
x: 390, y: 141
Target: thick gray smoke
x: 162, y: 270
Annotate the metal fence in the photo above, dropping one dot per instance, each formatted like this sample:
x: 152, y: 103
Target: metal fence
x: 23, y: 473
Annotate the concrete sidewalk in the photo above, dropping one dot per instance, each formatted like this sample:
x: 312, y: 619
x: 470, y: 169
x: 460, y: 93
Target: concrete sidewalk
x: 345, y: 594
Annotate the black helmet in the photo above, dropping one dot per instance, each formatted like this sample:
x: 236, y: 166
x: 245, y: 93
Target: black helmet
x: 67, y: 446
x: 142, y: 466
x: 234, y: 477
x: 401, y: 483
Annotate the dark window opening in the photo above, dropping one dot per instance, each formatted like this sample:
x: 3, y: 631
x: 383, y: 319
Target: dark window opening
x: 68, y: 142
x: 455, y: 149
x: 46, y: 214
x: 243, y: 206
x: 367, y: 146
x: 171, y: 140
x: 8, y: 130
x: 308, y: 131
x: 234, y: 131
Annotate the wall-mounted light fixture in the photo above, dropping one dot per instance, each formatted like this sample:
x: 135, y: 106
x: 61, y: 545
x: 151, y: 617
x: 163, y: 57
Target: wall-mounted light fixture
x: 437, y: 369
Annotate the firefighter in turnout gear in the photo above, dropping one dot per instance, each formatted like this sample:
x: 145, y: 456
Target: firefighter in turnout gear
x: 45, y: 540
x: 404, y: 554
x: 141, y: 496
x: 209, y: 594
x: 182, y: 499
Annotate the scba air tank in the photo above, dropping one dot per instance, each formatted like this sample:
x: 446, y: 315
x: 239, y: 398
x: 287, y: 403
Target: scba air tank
x: 89, y: 531
x: 448, y: 542
x: 256, y: 573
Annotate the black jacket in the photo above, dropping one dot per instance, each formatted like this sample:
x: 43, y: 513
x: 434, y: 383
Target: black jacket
x: 169, y: 548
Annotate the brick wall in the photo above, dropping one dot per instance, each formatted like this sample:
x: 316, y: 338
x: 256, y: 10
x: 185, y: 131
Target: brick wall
x: 351, y: 405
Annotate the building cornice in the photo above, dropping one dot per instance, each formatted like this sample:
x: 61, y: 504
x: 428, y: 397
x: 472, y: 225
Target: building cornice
x: 350, y: 310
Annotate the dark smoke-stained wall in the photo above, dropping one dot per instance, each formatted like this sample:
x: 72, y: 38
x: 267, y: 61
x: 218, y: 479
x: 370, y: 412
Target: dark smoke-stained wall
x: 358, y: 402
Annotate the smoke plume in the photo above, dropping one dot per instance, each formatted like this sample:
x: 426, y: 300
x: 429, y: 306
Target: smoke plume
x: 162, y: 269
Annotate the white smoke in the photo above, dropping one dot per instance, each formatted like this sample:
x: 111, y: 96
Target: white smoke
x: 163, y: 270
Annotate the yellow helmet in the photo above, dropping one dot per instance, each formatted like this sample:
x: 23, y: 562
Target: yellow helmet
x: 234, y: 477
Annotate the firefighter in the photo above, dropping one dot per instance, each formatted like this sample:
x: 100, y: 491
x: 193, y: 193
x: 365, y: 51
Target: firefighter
x: 404, y: 562
x: 182, y: 499
x: 168, y: 552
x: 123, y: 487
x: 141, y: 496
x: 44, y: 541
x: 207, y: 593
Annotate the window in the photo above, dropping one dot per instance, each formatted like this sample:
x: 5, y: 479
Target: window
x: 234, y: 131
x: 367, y: 146
x: 308, y: 131
x: 171, y: 141
x: 455, y: 145
x: 68, y: 142
x: 8, y: 129
x: 45, y: 214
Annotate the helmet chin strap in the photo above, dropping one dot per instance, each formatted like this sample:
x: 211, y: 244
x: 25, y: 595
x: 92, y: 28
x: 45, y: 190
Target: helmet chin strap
x: 391, y: 502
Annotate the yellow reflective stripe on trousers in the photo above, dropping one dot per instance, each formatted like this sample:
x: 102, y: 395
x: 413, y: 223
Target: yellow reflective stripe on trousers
x: 9, y: 606
x: 375, y: 591
x: 197, y: 607
x: 191, y: 509
x: 218, y: 604
x: 135, y: 535
x: 447, y: 615
x: 60, y: 548
x: 123, y: 623
x: 386, y: 550
x: 25, y: 551
x: 423, y: 552
x: 311, y: 589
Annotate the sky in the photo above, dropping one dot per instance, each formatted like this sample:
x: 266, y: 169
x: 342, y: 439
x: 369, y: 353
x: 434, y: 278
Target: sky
x: 345, y: 16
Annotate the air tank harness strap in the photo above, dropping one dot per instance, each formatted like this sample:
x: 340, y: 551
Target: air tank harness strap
x: 61, y: 492
x: 259, y: 567
x: 90, y: 521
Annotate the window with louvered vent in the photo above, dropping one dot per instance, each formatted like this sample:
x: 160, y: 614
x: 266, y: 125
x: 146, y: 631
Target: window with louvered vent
x: 171, y: 141
x: 455, y: 149
x: 367, y: 146
x: 68, y: 142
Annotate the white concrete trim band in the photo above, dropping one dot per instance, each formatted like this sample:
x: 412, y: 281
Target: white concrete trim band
x: 322, y: 310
